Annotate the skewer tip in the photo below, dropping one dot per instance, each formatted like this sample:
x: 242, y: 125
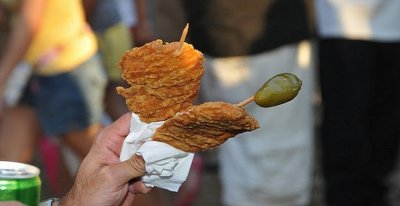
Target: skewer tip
x: 182, y: 40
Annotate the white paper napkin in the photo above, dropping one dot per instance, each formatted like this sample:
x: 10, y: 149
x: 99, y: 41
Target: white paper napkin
x: 166, y: 166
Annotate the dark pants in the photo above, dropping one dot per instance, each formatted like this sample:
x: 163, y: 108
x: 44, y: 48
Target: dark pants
x: 360, y: 85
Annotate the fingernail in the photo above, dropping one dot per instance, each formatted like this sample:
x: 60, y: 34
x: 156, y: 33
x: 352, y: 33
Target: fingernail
x: 139, y: 156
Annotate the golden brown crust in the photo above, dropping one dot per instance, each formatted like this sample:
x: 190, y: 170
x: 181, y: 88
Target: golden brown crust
x: 205, y: 126
x: 163, y: 85
x: 162, y: 82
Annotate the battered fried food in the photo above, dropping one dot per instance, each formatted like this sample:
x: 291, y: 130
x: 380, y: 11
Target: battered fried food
x: 162, y: 81
x: 205, y: 126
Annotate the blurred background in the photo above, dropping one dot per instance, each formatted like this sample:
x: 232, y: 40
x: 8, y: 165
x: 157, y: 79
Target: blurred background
x: 335, y: 144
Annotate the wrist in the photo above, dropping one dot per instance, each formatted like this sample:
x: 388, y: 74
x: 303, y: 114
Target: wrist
x: 71, y: 198
x: 56, y: 203
x: 50, y: 202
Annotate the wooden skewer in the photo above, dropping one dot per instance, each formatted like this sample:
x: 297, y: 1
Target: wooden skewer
x: 245, y: 102
x: 182, y: 40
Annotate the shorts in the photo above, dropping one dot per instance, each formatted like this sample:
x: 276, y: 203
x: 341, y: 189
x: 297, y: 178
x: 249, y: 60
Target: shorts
x: 70, y: 101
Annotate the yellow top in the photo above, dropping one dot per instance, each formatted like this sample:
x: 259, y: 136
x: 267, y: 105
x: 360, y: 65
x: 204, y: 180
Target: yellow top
x: 63, y: 40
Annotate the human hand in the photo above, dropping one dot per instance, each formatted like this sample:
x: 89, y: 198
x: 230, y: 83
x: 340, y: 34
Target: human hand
x: 102, y: 179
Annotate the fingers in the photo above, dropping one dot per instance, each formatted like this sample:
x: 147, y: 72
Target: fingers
x: 122, y: 124
x: 119, y: 127
x: 128, y: 200
x: 113, y: 135
x: 129, y: 169
x: 138, y: 187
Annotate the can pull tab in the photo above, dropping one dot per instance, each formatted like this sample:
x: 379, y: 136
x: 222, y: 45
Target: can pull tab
x: 16, y: 170
x: 13, y: 172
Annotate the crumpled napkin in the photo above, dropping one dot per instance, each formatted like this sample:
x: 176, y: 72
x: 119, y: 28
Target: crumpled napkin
x: 166, y: 166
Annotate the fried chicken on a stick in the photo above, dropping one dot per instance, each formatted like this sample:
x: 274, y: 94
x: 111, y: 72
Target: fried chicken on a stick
x: 205, y: 126
x: 164, y: 79
x: 210, y: 124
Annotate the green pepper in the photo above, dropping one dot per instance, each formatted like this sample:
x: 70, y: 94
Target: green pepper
x: 278, y: 90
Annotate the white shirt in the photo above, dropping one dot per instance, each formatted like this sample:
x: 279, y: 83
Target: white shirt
x: 377, y: 20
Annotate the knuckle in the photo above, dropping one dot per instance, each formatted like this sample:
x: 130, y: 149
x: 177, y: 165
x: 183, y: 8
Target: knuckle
x: 106, y: 174
x: 137, y: 165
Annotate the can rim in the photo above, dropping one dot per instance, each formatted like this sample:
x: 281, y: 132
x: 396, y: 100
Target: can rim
x: 17, y: 170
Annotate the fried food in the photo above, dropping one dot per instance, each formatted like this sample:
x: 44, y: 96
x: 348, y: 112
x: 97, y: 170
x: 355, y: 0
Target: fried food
x: 162, y: 81
x: 205, y: 126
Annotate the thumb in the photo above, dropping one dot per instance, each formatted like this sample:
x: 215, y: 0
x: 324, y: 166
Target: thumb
x: 129, y: 169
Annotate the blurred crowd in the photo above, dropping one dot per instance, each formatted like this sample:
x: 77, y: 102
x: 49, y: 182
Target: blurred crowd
x: 59, y: 70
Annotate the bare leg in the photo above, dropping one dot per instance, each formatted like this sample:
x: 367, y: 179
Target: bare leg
x: 19, y: 133
x: 81, y: 141
x: 114, y: 103
x: 65, y: 178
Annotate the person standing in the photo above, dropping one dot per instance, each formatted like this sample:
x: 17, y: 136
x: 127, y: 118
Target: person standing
x: 135, y: 15
x: 245, y: 43
x: 359, y: 50
x: 114, y: 39
x: 68, y: 82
